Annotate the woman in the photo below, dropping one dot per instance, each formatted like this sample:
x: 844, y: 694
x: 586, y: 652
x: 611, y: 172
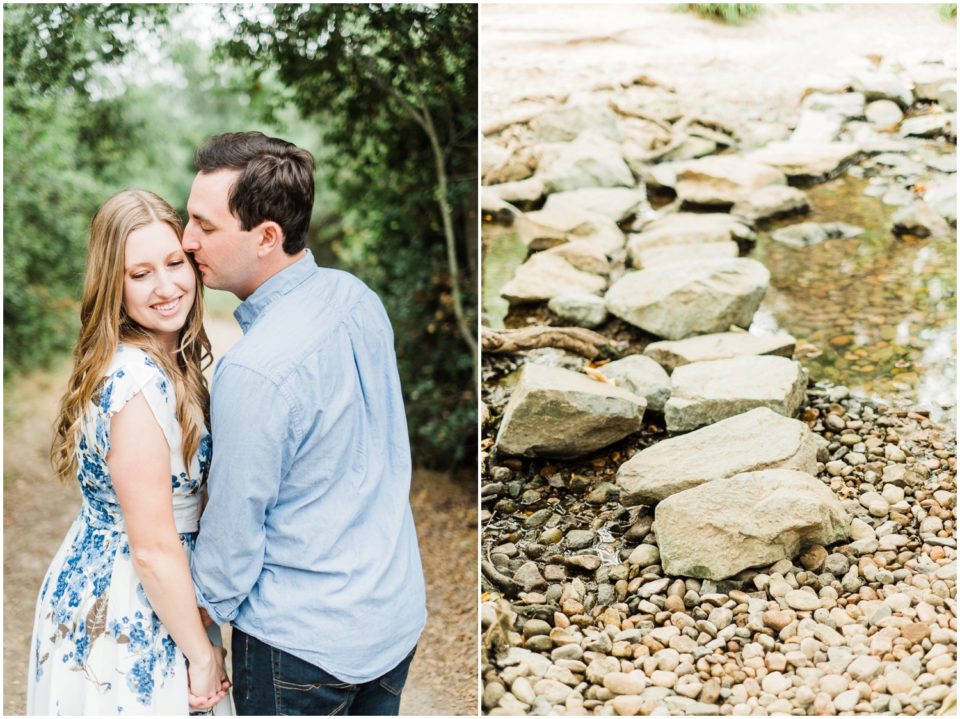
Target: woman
x: 117, y: 629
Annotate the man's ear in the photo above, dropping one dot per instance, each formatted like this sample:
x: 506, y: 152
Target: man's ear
x: 271, y: 238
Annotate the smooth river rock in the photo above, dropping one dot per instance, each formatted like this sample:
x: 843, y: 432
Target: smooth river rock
x: 678, y: 300
x: 616, y: 203
x: 752, y: 441
x: 555, y: 226
x: 807, y: 161
x: 557, y: 412
x: 642, y: 376
x: 591, y: 160
x: 721, y: 345
x: 771, y: 202
x: 544, y: 276
x: 654, y: 256
x: 753, y: 519
x: 706, y: 392
x: 688, y: 228
x: 723, y: 180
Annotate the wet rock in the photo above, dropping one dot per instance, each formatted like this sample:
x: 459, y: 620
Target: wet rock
x: 556, y: 412
x: 687, y: 228
x: 754, y: 440
x: 808, y: 161
x: 616, y: 203
x: 654, y: 256
x: 679, y: 300
x: 721, y: 345
x: 579, y: 308
x: 642, y: 376
x: 545, y: 276
x: 919, y: 220
x: 706, y: 392
x: 805, y: 234
x: 723, y: 180
x: 644, y: 555
x: 591, y: 160
x: 771, y: 202
x: 884, y: 113
x: 722, y: 527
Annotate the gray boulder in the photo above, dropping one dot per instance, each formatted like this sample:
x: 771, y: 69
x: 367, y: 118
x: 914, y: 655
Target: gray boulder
x: 771, y: 202
x: 642, y: 376
x: 567, y: 122
x: 722, y: 345
x: 755, y: 440
x: 579, y: 308
x: 589, y: 161
x: 808, y: 161
x: 644, y: 259
x: 556, y: 412
x: 722, y: 527
x: 706, y: 392
x: 615, y: 203
x: 919, y: 220
x: 545, y: 276
x: 682, y: 299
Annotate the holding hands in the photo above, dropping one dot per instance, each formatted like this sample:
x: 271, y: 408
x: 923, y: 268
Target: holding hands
x: 207, y: 678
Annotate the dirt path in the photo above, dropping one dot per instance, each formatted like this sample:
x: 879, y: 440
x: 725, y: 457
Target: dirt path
x: 37, y: 512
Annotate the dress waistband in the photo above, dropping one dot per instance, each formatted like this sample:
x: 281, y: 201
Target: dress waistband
x: 186, y: 515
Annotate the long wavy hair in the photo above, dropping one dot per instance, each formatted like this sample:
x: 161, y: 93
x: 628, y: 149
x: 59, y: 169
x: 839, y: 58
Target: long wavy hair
x: 105, y: 324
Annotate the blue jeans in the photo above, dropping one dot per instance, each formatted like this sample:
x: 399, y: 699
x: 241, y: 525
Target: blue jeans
x: 270, y: 681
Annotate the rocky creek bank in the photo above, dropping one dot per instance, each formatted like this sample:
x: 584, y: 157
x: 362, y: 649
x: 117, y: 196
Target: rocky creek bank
x: 698, y: 527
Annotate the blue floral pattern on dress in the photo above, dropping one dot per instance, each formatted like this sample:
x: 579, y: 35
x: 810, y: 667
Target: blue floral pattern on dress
x: 82, y: 608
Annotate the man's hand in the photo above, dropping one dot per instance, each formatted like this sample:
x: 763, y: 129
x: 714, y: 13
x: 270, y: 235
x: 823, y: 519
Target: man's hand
x: 207, y: 680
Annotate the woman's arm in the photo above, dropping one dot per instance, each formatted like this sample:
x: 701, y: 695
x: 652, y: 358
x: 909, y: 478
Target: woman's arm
x: 139, y: 463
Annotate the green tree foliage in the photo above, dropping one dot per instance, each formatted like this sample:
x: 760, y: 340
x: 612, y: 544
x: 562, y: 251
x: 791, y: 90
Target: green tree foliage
x: 394, y: 87
x: 55, y: 137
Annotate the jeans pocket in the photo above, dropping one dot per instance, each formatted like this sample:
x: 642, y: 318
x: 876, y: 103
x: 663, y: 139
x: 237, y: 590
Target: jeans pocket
x: 394, y: 679
x: 303, y: 689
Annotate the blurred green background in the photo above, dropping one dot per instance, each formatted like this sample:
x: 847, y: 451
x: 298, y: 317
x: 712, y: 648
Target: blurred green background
x: 98, y: 98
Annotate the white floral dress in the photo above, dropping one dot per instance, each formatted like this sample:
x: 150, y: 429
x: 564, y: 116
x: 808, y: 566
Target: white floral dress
x: 97, y: 646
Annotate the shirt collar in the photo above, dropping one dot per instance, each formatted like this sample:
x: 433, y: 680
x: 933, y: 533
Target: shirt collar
x: 273, y: 289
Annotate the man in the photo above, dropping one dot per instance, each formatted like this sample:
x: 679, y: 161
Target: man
x: 307, y: 544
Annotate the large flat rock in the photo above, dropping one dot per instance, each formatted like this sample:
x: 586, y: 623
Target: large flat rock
x: 556, y: 412
x: 706, y: 392
x: 565, y: 123
x: 722, y: 345
x: 668, y: 254
x: 544, y: 276
x: 723, y: 180
x: 805, y: 162
x: 771, y: 202
x: 753, y: 519
x: 553, y: 226
x: 616, y: 203
x: 682, y: 299
x: 755, y: 440
x: 688, y: 228
x: 591, y: 160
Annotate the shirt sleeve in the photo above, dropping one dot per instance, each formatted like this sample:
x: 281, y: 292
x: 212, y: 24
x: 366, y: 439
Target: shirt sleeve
x: 253, y: 434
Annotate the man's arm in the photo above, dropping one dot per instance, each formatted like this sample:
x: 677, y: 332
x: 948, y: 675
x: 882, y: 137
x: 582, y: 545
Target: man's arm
x: 252, y: 436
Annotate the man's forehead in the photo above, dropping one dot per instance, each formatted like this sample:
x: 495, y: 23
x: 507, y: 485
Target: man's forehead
x: 210, y: 192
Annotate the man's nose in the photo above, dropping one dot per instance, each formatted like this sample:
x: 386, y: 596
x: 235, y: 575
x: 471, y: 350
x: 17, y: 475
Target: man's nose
x: 189, y: 241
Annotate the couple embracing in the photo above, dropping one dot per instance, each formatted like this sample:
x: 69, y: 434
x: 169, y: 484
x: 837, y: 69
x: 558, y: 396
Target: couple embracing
x: 277, y: 502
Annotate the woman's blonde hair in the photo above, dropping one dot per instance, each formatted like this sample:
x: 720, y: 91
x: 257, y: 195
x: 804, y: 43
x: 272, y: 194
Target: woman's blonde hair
x: 105, y: 324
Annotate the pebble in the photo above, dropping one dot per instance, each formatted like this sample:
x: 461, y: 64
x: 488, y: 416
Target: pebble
x: 625, y: 683
x: 644, y: 555
x: 579, y: 538
x: 846, y: 701
x: 801, y: 600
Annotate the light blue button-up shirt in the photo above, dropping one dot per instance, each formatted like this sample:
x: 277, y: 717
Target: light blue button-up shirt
x: 307, y: 541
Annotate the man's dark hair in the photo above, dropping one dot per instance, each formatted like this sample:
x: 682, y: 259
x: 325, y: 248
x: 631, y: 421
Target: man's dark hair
x: 275, y: 183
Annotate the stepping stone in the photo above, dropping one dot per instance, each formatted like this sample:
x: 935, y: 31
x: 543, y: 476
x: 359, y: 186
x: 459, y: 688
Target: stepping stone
x: 543, y: 229
x: 682, y: 299
x: 720, y: 528
x: 771, y: 202
x: 805, y: 162
x: 589, y: 161
x: 722, y: 345
x: 919, y: 220
x: 544, y: 276
x: 706, y: 392
x: 584, y: 255
x: 579, y: 308
x: 615, y: 203
x: 930, y: 126
x: 567, y: 122
x: 529, y: 190
x: 689, y: 228
x: 755, y: 440
x: 669, y: 254
x: 723, y: 180
x: 556, y: 412
x: 642, y: 376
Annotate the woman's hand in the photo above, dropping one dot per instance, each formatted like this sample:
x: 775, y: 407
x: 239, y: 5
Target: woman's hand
x: 207, y: 678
